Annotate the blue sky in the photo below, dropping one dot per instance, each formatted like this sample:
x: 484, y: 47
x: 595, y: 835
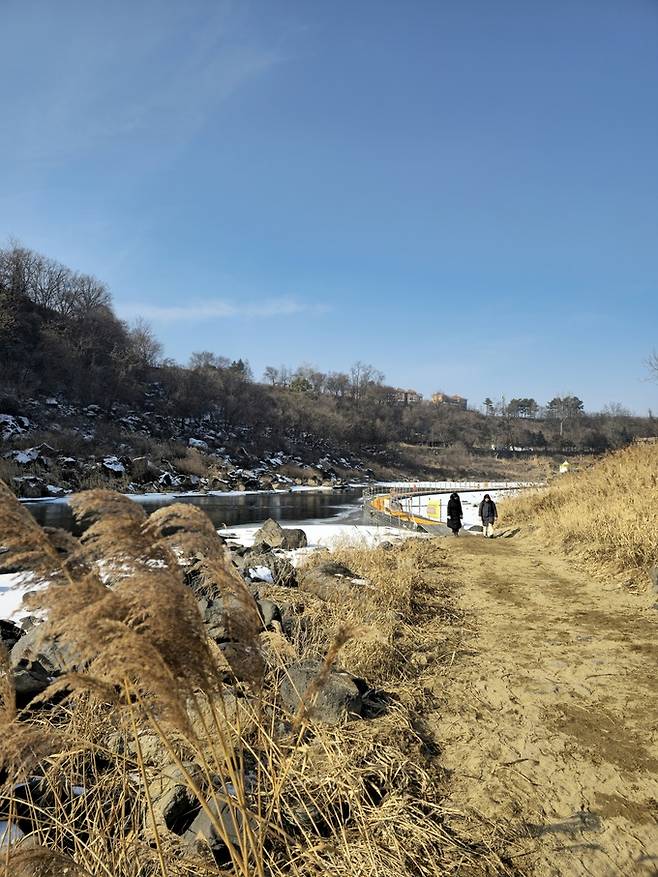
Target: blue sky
x: 463, y: 193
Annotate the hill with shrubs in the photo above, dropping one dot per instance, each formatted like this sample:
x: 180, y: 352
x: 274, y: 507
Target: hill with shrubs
x: 86, y: 398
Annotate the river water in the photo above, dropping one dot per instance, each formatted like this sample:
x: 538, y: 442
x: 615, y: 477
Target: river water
x: 231, y: 508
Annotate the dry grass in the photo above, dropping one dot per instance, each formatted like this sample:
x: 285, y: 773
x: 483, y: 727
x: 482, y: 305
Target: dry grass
x: 381, y: 613
x: 151, y: 694
x: 457, y: 461
x: 605, y: 515
x: 8, y: 470
x: 193, y: 463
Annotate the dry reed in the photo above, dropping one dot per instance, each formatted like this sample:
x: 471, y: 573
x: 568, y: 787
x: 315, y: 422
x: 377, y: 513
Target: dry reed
x: 604, y: 515
x: 149, y: 694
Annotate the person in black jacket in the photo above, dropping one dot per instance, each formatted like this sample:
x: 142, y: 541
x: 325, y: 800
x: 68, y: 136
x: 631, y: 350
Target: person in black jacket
x: 455, y: 513
x: 488, y: 514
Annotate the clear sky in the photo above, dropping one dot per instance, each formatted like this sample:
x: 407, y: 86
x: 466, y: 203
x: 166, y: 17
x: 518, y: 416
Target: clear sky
x: 462, y: 192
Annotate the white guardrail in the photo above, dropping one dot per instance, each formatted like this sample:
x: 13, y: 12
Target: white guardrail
x: 428, y: 500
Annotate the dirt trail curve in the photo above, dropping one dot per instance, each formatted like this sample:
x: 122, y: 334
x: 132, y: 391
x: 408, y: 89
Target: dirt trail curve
x: 551, y: 724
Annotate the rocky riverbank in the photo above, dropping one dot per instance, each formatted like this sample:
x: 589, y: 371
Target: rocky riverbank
x: 49, y: 448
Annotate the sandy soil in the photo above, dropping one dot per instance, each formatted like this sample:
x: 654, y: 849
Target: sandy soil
x: 548, y: 715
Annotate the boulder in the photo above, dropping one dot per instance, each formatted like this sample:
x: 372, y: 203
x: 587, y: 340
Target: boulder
x: 294, y: 537
x: 12, y: 424
x: 202, y: 833
x: 330, y: 581
x: 10, y: 834
x: 29, y: 679
x: 271, y: 534
x: 174, y: 805
x: 339, y: 698
x: 113, y: 466
x: 41, y: 455
x: 212, y: 612
x: 144, y: 470
x: 39, y: 646
x: 269, y: 612
x: 10, y: 633
x: 30, y: 486
x: 168, y: 480
x: 274, y: 535
x: 236, y: 713
x: 199, y: 444
x: 55, y: 490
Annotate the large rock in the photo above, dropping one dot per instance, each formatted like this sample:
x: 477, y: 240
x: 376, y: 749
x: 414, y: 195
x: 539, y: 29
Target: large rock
x: 41, y: 455
x: 270, y: 613
x: 39, y: 646
x: 10, y: 634
x: 202, y: 833
x: 12, y: 424
x: 212, y: 612
x: 338, y: 699
x: 174, y: 805
x: 114, y: 466
x: 29, y: 679
x: 199, y: 444
x: 30, y: 486
x: 331, y: 581
x: 144, y: 470
x: 274, y: 535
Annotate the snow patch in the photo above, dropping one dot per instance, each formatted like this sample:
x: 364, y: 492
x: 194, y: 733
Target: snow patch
x: 198, y: 443
x: 261, y: 574
x: 114, y: 464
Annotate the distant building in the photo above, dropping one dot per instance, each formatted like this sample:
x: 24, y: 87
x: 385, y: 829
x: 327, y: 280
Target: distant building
x: 405, y: 397
x: 444, y: 399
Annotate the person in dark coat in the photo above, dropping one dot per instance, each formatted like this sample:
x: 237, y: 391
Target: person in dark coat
x: 455, y: 513
x: 488, y: 514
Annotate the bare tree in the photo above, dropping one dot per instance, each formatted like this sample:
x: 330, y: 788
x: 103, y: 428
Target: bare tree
x: 271, y: 375
x: 146, y: 347
x: 205, y: 359
x: 362, y: 376
x: 337, y: 384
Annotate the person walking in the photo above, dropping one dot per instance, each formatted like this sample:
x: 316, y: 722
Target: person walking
x: 455, y: 513
x: 488, y: 514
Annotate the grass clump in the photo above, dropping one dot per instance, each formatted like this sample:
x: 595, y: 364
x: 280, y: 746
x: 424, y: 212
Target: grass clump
x: 605, y: 515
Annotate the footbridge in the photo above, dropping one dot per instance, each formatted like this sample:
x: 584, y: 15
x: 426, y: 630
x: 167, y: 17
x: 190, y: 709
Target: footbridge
x: 423, y: 505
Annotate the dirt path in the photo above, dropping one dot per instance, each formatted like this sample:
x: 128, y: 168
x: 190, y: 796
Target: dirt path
x: 550, y: 718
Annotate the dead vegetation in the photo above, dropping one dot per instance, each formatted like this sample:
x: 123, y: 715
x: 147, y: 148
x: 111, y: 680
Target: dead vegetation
x: 152, y: 704
x: 604, y: 515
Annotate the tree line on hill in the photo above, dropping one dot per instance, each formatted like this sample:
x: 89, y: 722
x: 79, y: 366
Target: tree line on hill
x: 59, y: 335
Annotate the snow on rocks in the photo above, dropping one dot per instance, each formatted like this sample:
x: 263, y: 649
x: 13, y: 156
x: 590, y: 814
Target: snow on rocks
x: 13, y: 587
x: 12, y: 425
x: 114, y: 465
x: 261, y: 574
x: 42, y: 454
x: 324, y: 536
x: 199, y: 444
x: 29, y: 486
x: 227, y: 457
